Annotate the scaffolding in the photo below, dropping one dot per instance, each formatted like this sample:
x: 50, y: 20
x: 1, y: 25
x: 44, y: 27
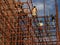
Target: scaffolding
x: 21, y: 28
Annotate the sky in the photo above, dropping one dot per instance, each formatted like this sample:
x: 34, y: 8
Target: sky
x: 49, y: 6
x: 59, y: 7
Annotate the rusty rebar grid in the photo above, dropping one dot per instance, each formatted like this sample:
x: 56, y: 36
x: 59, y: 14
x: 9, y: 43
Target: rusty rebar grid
x: 11, y: 31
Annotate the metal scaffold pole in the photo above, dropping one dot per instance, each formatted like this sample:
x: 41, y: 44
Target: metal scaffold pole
x: 57, y: 24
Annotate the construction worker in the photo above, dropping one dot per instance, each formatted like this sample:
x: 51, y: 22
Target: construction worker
x: 34, y: 11
x: 53, y: 17
x: 40, y: 28
x: 40, y: 25
x: 53, y: 20
x: 34, y: 15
